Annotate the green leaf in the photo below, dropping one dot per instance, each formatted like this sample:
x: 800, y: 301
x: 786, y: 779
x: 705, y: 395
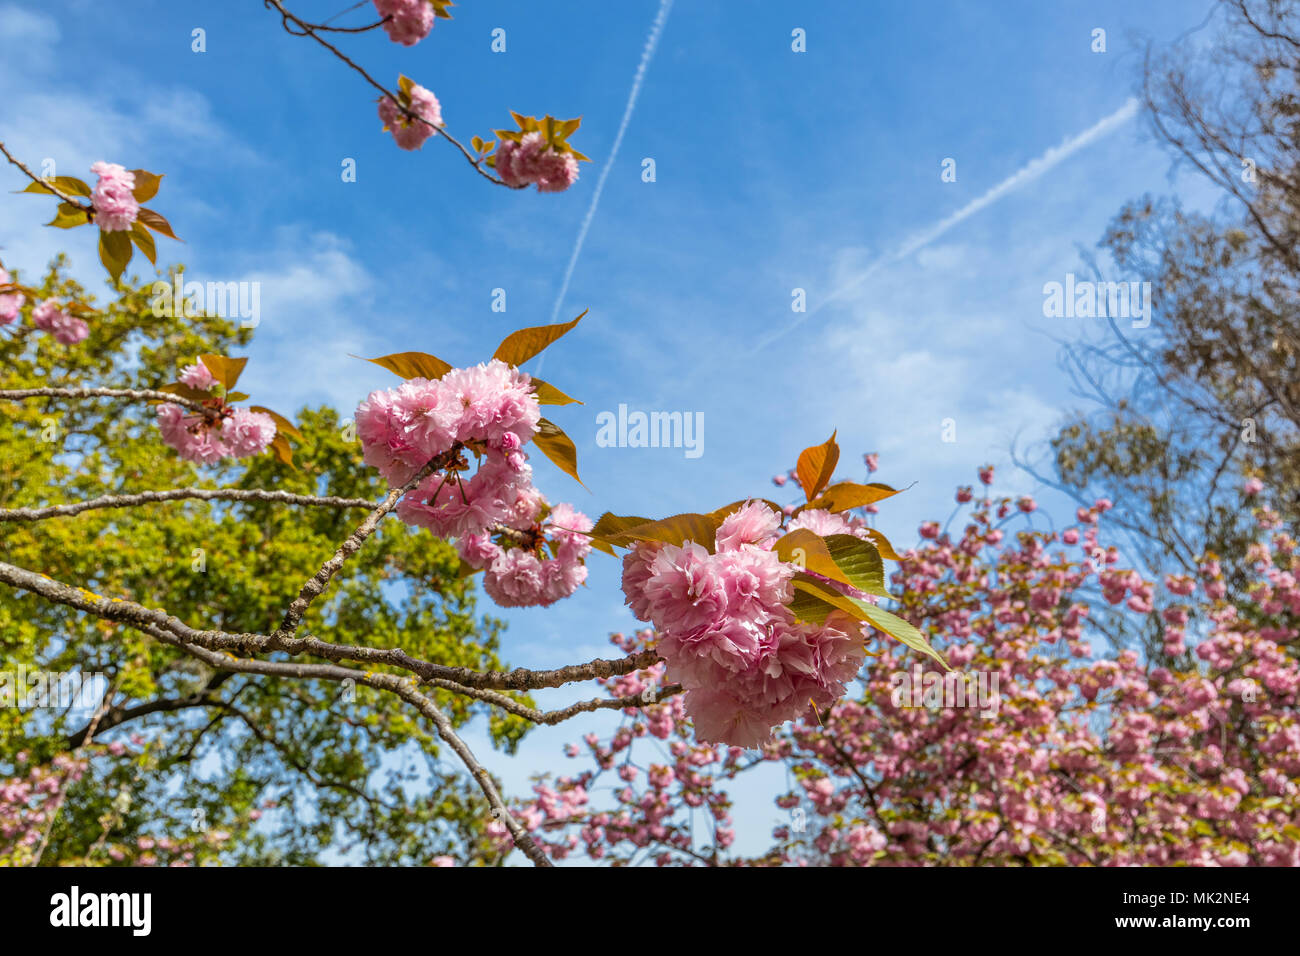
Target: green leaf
x: 141, y: 237
x: 224, y: 370
x: 518, y: 347
x: 820, y: 598
x: 72, y: 185
x: 412, y: 364
x: 859, y: 561
x: 115, y: 252
x: 236, y: 396
x: 405, y: 84
x: 41, y: 188
x: 69, y: 217
x: 282, y: 425
x: 146, y: 185
x: 558, y: 447
x: 548, y: 394
x: 816, y: 465
x: 156, y: 222
x: 847, y: 495
x: 841, y: 557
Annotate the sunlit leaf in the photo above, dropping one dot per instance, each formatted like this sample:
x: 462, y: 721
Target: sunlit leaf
x: 412, y: 364
x: 676, y: 529
x: 882, y: 544
x: 72, y: 186
x: 558, y: 447
x: 816, y: 465
x: 518, y: 347
x: 185, y: 391
x: 141, y: 237
x: 841, y: 557
x: 115, y: 251
x: 610, y: 526
x: 548, y: 394
x: 146, y: 185
x: 224, y: 370
x: 157, y: 223
x: 69, y: 217
x: 847, y: 495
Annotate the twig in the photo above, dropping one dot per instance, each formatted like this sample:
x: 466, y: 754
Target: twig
x: 88, y: 207
x: 309, y: 30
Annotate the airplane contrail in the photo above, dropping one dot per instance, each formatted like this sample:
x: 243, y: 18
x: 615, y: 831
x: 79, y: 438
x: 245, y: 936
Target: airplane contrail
x: 1030, y: 171
x: 647, y: 54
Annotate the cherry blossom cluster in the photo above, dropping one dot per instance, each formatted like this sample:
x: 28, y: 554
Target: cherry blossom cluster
x: 501, y: 522
x: 30, y: 800
x: 116, y: 207
x: 10, y: 302
x: 406, y: 21
x: 726, y: 631
x: 1094, y: 758
x: 218, y: 431
x: 49, y: 316
x: 530, y: 162
x: 412, y: 126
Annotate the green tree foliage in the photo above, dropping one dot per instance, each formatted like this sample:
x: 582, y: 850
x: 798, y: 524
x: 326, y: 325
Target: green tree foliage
x: 292, y: 771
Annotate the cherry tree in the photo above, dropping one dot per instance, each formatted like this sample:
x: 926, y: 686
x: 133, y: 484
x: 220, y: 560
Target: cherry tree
x: 762, y: 612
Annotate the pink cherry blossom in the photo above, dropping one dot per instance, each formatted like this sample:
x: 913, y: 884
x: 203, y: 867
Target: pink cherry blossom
x: 10, y: 302
x: 247, y: 433
x: 408, y: 21
x: 408, y: 132
x: 197, y: 376
x: 49, y: 317
x: 116, y: 207
x: 530, y: 162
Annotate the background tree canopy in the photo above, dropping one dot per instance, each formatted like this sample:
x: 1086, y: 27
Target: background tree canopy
x: 328, y: 771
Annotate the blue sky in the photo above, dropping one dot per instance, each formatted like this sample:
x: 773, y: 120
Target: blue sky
x: 775, y: 170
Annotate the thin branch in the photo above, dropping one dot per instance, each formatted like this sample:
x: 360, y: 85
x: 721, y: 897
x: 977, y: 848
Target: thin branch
x: 142, y: 618
x: 309, y: 30
x: 136, y: 394
x: 87, y: 207
x: 177, y: 494
x: 403, y: 688
x: 316, y: 585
